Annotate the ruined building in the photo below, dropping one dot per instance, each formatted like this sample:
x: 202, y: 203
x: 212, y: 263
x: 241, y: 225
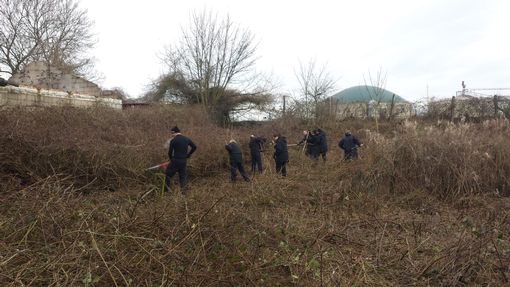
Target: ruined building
x: 41, y: 75
x: 41, y: 84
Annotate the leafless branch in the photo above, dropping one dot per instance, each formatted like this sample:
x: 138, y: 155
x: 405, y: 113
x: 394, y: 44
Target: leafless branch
x: 315, y: 83
x: 56, y: 31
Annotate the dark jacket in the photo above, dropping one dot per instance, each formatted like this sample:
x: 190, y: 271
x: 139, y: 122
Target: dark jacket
x: 313, y: 140
x: 313, y: 144
x: 323, y: 142
x: 281, y: 153
x: 234, y: 152
x: 255, y: 145
x: 178, y: 148
x: 348, y: 143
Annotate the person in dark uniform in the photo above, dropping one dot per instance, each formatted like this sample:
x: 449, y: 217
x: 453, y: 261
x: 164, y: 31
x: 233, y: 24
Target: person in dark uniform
x: 281, y: 154
x: 255, y: 149
x: 349, y: 144
x: 323, y: 144
x: 314, y: 143
x: 178, y: 154
x: 236, y: 161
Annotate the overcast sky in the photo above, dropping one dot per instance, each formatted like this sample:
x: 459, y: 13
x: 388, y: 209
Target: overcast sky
x: 434, y: 43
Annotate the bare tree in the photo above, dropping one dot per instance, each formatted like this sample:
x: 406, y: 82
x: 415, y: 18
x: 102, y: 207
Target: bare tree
x: 215, y: 57
x: 56, y: 31
x: 16, y: 45
x: 212, y: 53
x: 375, y: 85
x: 315, y: 83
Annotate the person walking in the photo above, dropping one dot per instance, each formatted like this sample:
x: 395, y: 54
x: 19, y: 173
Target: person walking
x: 314, y: 143
x: 236, y: 161
x: 281, y: 154
x: 178, y: 154
x: 349, y: 144
x: 255, y: 149
x: 323, y: 144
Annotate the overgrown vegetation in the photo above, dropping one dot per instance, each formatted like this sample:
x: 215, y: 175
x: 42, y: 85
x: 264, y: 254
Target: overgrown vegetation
x: 426, y: 205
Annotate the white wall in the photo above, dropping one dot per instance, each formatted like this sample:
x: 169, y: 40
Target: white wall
x: 22, y: 96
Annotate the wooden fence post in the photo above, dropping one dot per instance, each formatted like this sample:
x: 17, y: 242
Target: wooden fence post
x: 390, y: 117
x: 452, y: 109
x: 496, y: 108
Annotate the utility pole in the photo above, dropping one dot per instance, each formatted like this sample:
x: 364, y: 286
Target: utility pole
x: 330, y: 106
x: 428, y: 98
x: 284, y: 104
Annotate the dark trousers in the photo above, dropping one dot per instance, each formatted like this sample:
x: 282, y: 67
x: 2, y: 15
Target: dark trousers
x: 323, y: 154
x: 350, y: 154
x: 176, y: 166
x: 237, y: 165
x: 256, y: 162
x: 308, y: 151
x: 314, y: 152
x: 281, y: 167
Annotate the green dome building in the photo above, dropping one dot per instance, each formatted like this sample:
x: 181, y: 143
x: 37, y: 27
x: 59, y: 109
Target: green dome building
x: 362, y: 94
x: 370, y: 102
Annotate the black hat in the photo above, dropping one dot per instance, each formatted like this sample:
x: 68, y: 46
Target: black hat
x: 175, y: 129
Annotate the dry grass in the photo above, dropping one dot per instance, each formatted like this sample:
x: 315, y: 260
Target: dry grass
x: 410, y: 212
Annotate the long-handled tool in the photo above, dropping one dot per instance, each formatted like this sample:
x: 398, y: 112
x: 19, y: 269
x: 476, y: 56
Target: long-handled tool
x: 161, y: 165
x: 306, y: 142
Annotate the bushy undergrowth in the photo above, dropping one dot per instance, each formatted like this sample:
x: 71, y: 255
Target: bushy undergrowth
x: 456, y: 160
x: 379, y: 221
x: 101, y: 149
x: 447, y: 160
